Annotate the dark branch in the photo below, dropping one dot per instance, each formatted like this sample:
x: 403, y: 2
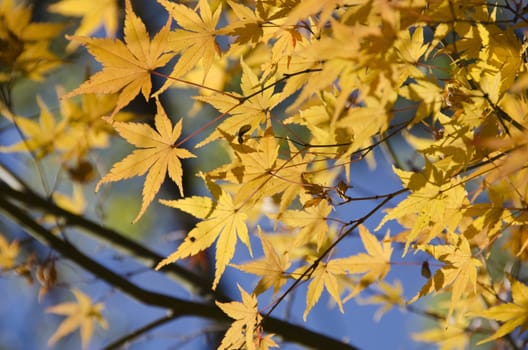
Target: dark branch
x: 178, y: 307
x: 113, y: 238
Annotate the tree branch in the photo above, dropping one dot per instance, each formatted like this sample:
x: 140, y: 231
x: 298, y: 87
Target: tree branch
x: 118, y: 241
x: 140, y: 331
x: 177, y: 306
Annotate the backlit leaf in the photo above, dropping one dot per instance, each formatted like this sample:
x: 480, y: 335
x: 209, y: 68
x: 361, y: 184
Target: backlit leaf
x: 271, y: 267
x: 225, y: 225
x: 459, y: 273
x: 94, y: 14
x: 157, y: 155
x: 196, y: 40
x: 246, y: 330
x: 127, y: 65
x: 82, y: 315
x: 513, y: 315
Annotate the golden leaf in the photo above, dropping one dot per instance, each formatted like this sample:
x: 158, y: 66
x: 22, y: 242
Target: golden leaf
x: 157, y: 155
x: 271, y: 267
x: 94, y: 14
x: 245, y: 331
x: 225, y: 224
x: 196, y: 40
x: 44, y: 137
x: 127, y: 65
x: 514, y: 314
x: 25, y: 43
x: 82, y: 315
x: 8, y: 253
x: 459, y: 272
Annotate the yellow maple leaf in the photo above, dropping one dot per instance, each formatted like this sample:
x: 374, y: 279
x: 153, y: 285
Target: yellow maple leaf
x: 459, y: 272
x: 312, y: 222
x: 94, y: 13
x: 224, y: 224
x: 247, y: 29
x: 246, y: 331
x: 76, y: 203
x: 304, y: 9
x: 446, y: 334
x: 429, y: 96
x: 435, y: 196
x: 157, y: 154
x: 500, y: 54
x: 84, y: 119
x: 372, y: 265
x: 127, y: 65
x: 514, y: 314
x: 25, y: 43
x: 82, y: 314
x: 326, y: 130
x: 43, y: 138
x: 196, y: 40
x: 250, y: 109
x: 8, y: 253
x: 388, y: 296
x: 324, y: 276
x: 264, y: 174
x: 412, y: 47
x: 272, y: 267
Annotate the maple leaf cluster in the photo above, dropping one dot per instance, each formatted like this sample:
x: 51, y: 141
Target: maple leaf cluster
x: 304, y: 90
x: 25, y: 44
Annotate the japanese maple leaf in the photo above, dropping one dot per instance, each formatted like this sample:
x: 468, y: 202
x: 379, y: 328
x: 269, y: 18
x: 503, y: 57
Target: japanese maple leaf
x: 459, y: 272
x: 94, y: 13
x: 264, y: 173
x: 24, y: 43
x: 44, y: 137
x: 245, y: 331
x: 373, y: 265
x: 312, y: 222
x: 157, y: 155
x: 85, y: 123
x: 323, y: 276
x: 127, y: 65
x: 81, y: 314
x: 8, y: 253
x: 196, y: 40
x: 272, y: 267
x: 311, y: 7
x: 252, y: 108
x: 224, y: 223
x: 514, y: 314
x: 388, y: 296
x: 436, y: 204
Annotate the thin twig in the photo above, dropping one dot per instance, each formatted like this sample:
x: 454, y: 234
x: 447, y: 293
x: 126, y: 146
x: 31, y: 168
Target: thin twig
x: 140, y: 331
x: 179, y: 307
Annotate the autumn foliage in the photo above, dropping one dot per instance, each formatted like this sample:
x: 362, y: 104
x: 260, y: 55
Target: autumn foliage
x: 304, y: 93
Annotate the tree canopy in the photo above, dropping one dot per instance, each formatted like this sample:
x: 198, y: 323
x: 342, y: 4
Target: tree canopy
x: 286, y: 101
